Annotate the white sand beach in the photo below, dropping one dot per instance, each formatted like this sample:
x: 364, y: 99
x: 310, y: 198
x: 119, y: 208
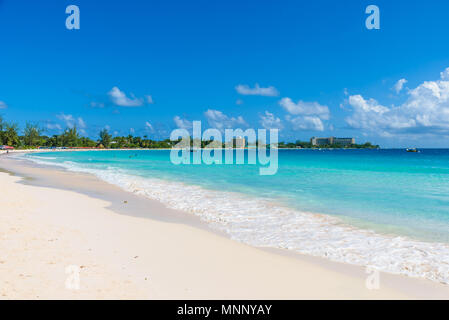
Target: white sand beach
x: 46, y: 227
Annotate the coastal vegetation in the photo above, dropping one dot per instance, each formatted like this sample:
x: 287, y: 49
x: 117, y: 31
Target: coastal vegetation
x: 32, y: 136
x: 307, y: 145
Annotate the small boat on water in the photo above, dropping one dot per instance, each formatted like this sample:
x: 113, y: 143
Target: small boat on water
x: 412, y: 150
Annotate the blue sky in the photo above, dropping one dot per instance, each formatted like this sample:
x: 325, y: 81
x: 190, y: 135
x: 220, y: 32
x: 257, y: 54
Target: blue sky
x: 310, y: 68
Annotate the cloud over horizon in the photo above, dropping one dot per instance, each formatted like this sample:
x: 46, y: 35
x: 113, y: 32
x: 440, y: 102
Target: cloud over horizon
x: 305, y: 115
x: 426, y: 111
x: 53, y: 126
x: 305, y: 123
x: 270, y: 121
x: 182, y: 123
x: 70, y: 122
x: 218, y: 120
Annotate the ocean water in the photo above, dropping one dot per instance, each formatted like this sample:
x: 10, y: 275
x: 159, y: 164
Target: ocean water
x: 387, y: 209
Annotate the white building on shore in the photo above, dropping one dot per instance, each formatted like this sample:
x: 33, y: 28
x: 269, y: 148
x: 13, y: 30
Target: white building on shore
x: 331, y: 140
x: 240, y: 143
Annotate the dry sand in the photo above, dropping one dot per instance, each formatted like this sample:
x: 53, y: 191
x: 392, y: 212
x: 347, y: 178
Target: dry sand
x: 124, y: 254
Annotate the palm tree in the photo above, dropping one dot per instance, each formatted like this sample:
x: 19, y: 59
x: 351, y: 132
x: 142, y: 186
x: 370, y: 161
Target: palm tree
x: 1, y: 130
x: 105, y: 138
x: 32, y: 134
x: 10, y: 135
x: 70, y: 137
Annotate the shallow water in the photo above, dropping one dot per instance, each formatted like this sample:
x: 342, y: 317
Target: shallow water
x: 385, y: 208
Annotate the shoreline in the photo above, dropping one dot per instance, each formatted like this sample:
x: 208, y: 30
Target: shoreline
x: 350, y: 278
x: 244, y: 218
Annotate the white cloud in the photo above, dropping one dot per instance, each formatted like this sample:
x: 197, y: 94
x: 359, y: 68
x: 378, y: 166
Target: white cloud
x: 239, y: 102
x: 3, y: 105
x: 244, y: 89
x: 426, y: 111
x: 305, y: 108
x: 305, y: 115
x: 270, y: 121
x: 305, y: 123
x: 148, y: 126
x: 54, y: 126
x: 70, y: 121
x: 360, y: 103
x: 220, y: 121
x: 149, y: 99
x: 81, y: 123
x: 182, y: 123
x: 445, y: 74
x: 119, y: 98
x: 67, y: 118
x: 399, y: 85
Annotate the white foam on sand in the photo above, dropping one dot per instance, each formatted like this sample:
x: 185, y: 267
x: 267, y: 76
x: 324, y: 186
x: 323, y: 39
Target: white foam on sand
x: 264, y: 223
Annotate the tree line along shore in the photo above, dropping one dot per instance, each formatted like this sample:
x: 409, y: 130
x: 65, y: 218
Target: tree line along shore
x: 32, y: 137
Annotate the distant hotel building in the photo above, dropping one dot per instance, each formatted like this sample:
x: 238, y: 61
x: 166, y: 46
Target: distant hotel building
x: 332, y: 140
x: 240, y: 143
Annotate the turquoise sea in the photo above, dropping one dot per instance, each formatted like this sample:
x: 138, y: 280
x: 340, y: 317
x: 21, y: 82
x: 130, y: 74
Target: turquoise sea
x: 388, y: 209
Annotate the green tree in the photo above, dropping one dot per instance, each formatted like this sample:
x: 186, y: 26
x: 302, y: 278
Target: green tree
x: 86, y: 142
x: 1, y: 130
x: 54, y: 141
x: 10, y: 135
x: 105, y: 138
x: 32, y: 134
x: 70, y: 137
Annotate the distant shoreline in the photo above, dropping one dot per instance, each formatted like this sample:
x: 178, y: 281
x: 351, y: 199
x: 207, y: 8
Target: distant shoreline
x: 168, y: 149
